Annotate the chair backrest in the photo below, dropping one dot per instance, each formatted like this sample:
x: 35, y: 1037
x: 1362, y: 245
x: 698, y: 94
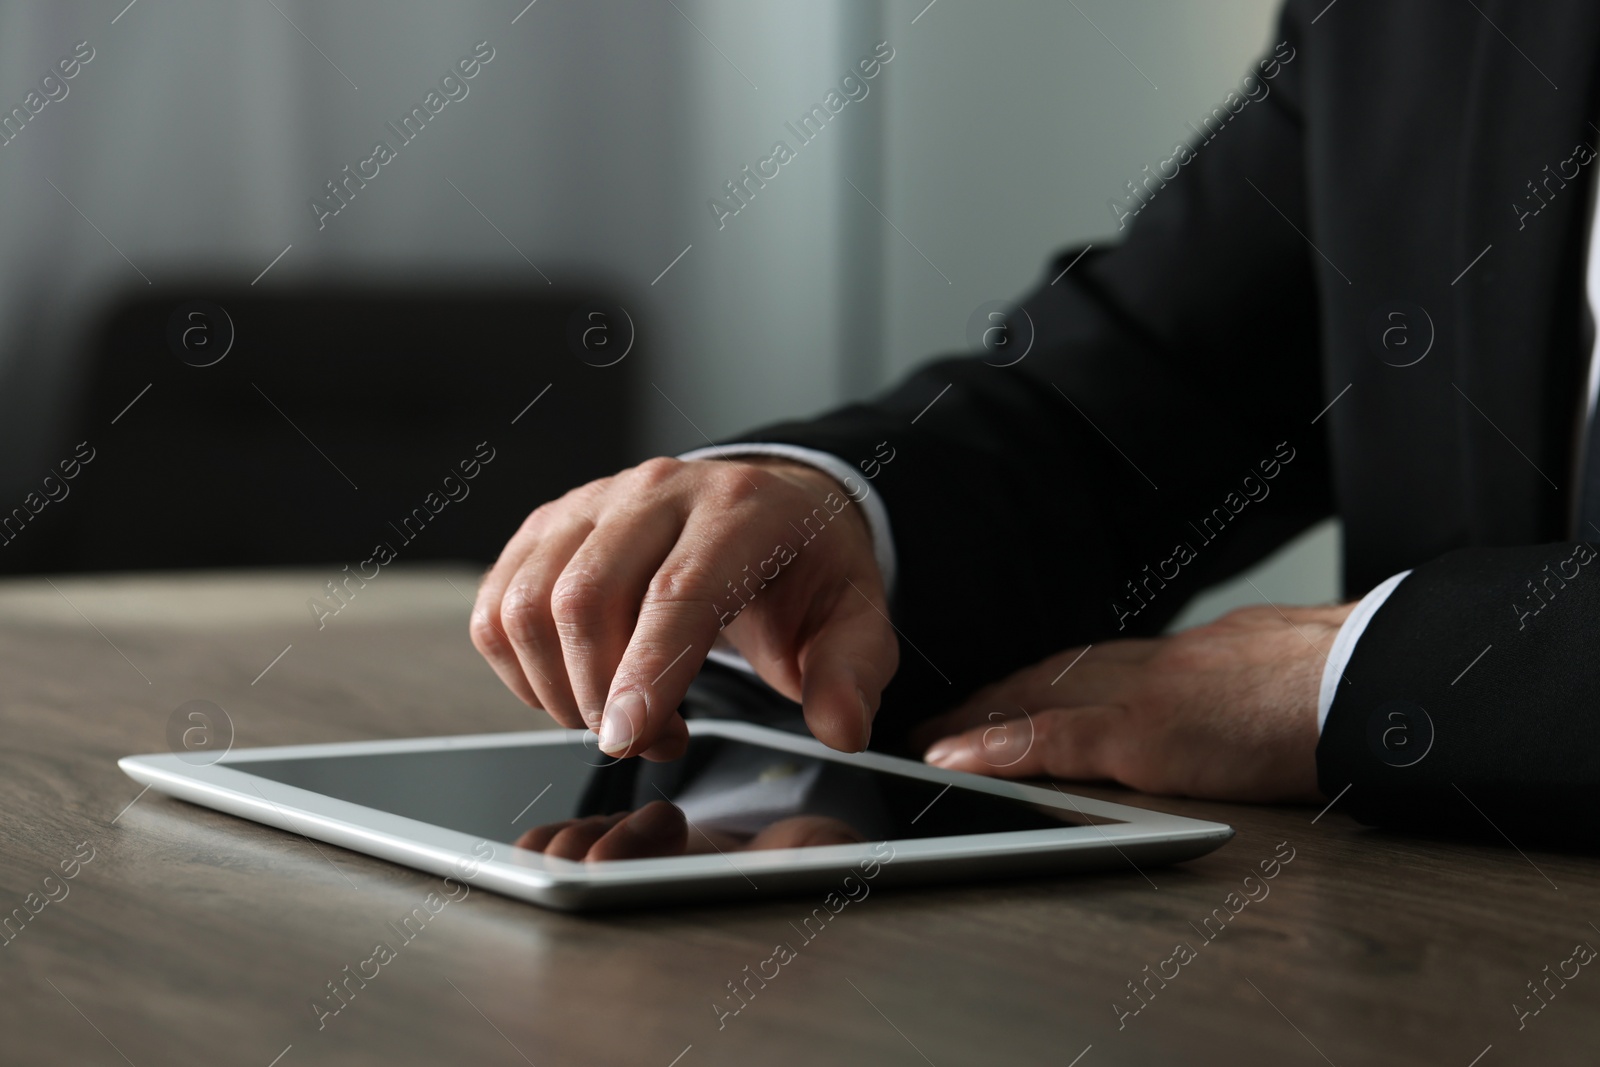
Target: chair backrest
x: 253, y: 428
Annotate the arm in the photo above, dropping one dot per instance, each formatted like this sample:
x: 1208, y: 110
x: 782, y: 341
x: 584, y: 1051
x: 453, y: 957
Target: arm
x: 1156, y: 438
x: 1470, y: 703
x: 1095, y: 485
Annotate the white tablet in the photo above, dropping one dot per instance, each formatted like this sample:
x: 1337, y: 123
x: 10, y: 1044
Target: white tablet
x: 748, y: 813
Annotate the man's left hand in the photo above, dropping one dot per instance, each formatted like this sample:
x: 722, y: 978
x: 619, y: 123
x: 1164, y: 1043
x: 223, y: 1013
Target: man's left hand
x: 1224, y: 711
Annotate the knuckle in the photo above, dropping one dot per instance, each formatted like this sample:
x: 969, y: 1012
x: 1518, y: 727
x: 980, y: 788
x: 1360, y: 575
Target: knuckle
x: 538, y: 519
x: 657, y: 471
x: 541, y: 515
x: 737, y: 483
x: 522, y: 614
x: 1050, y: 735
x: 485, y: 632
x: 581, y: 499
x: 579, y: 597
x: 679, y: 584
x: 1045, y: 732
x: 1005, y: 740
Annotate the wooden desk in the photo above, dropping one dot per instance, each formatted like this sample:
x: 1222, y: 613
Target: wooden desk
x: 194, y: 937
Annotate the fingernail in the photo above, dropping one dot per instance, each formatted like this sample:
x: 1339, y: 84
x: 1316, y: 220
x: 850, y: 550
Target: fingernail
x: 942, y: 751
x: 621, y: 722
x: 866, y: 718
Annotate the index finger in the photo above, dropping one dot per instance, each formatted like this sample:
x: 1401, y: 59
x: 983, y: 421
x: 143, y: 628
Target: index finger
x: 677, y: 624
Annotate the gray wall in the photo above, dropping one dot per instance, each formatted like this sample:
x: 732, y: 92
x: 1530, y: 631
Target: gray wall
x: 593, y: 140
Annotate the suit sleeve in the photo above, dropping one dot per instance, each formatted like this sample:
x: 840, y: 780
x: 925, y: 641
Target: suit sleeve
x: 1155, y: 438
x: 1472, y: 702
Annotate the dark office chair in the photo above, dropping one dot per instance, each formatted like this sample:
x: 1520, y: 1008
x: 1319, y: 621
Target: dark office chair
x: 254, y: 428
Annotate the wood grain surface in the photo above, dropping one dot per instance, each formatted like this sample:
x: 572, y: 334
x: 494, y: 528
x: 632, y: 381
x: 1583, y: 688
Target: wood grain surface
x: 195, y: 937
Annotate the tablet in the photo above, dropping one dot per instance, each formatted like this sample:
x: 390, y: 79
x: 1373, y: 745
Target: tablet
x: 748, y: 813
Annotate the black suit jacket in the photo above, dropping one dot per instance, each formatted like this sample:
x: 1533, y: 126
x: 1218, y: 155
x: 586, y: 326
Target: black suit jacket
x: 1171, y: 422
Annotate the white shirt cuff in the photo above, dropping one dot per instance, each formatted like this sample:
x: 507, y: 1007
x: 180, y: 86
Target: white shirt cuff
x: 1344, y: 645
x: 856, y: 488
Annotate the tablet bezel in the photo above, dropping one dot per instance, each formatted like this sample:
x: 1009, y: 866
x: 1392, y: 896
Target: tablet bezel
x: 1135, y: 832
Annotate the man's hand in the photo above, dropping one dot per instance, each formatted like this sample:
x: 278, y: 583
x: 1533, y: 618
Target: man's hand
x: 602, y: 607
x: 1225, y: 711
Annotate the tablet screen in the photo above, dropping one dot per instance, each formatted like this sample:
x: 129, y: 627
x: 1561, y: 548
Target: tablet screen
x: 724, y: 795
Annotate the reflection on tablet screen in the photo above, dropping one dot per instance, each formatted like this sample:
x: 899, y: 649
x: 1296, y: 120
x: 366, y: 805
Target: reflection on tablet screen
x: 570, y: 801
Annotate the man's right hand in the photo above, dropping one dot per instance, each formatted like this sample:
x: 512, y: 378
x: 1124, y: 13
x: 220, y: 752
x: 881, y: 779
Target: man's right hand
x: 603, y: 605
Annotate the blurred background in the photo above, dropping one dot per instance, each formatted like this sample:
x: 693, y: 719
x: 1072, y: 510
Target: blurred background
x: 369, y: 354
